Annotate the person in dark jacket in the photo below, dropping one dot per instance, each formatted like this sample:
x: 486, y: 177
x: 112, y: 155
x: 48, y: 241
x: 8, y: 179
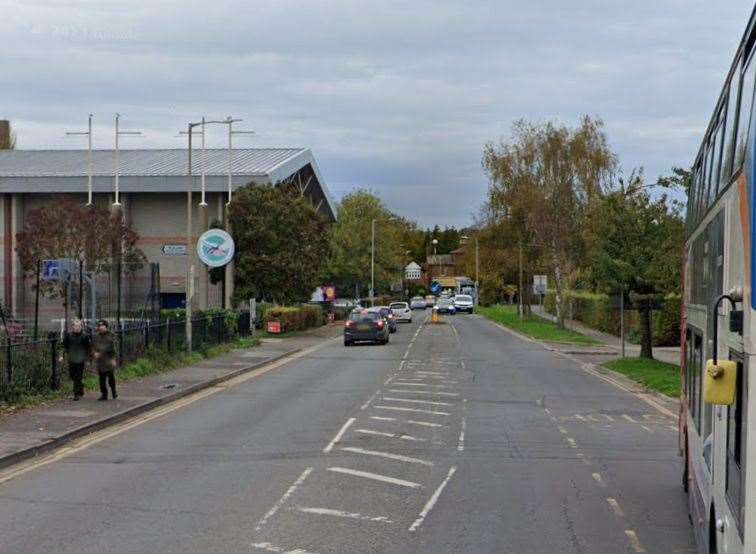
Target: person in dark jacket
x: 104, y: 354
x: 76, y: 345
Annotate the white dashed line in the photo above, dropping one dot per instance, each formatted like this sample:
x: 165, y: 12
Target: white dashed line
x: 432, y: 501
x: 415, y: 401
x: 615, y: 507
x: 438, y: 393
x: 390, y: 435
x: 411, y: 421
x: 572, y: 442
x: 403, y: 384
x: 269, y: 547
x: 461, y: 444
x: 369, y: 400
x: 375, y: 477
x: 628, y: 418
x: 338, y: 436
x: 283, y: 499
x: 634, y: 542
x: 387, y: 455
x: 597, y: 477
x: 414, y: 410
x: 341, y: 513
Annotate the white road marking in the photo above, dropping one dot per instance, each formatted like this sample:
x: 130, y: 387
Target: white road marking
x: 341, y: 513
x: 388, y: 455
x: 646, y: 429
x: 412, y: 421
x: 269, y: 547
x: 376, y: 477
x: 628, y: 418
x: 387, y: 381
x: 578, y: 416
x: 616, y: 507
x: 436, y: 373
x: 461, y: 444
x: 562, y: 430
x: 403, y: 384
x: 283, y: 499
x: 389, y: 435
x: 338, y: 436
x: 439, y: 393
x: 405, y: 355
x: 432, y: 500
x: 415, y: 410
x: 415, y: 401
x: 634, y: 542
x: 598, y: 479
x: 572, y: 442
x: 369, y: 400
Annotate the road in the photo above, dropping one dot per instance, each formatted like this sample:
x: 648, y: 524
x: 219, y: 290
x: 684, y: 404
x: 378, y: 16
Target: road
x: 458, y: 437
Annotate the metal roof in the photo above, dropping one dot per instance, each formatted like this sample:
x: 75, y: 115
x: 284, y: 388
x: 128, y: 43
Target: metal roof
x: 73, y: 163
x: 160, y: 170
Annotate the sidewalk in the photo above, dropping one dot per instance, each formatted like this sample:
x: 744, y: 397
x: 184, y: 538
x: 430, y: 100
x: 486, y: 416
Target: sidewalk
x: 31, y: 431
x: 611, y: 344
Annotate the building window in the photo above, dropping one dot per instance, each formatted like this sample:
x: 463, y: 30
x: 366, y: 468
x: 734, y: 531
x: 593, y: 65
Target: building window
x: 737, y: 414
x: 694, y: 361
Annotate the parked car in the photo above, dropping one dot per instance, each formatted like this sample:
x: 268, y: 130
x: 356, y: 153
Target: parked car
x: 418, y: 303
x: 463, y: 303
x: 344, y: 303
x: 430, y: 300
x: 445, y: 306
x: 365, y: 325
x: 402, y: 311
x: 388, y: 315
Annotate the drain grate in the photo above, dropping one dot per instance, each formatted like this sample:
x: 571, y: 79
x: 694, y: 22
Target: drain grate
x: 170, y: 386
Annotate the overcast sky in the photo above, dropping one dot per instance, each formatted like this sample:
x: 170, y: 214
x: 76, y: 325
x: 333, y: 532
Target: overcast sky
x: 397, y: 97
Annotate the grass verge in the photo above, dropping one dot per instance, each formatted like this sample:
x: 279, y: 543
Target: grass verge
x: 155, y: 361
x: 532, y: 325
x: 652, y: 374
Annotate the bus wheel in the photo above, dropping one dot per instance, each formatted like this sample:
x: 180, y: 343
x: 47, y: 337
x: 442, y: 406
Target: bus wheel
x: 712, y: 531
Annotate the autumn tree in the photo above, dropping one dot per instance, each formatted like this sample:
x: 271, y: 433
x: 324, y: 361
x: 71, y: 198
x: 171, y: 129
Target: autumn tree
x: 281, y: 244
x: 350, y: 239
x: 64, y: 228
x: 541, y: 183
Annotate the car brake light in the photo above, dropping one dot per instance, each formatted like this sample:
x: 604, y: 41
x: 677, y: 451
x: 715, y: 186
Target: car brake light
x: 391, y: 316
x: 380, y: 323
x: 349, y: 323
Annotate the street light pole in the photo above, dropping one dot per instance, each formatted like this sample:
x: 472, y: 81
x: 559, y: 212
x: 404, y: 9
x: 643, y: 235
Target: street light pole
x: 189, y: 249
x: 476, y: 270
x: 88, y: 134
x: 372, y: 263
x: 117, y: 168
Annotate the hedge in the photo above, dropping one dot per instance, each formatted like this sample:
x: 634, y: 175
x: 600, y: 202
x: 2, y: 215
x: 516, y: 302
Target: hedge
x: 296, y: 318
x: 596, y: 311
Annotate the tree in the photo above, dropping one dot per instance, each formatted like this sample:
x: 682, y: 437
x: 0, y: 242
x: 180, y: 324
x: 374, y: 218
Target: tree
x: 541, y: 184
x: 8, y: 142
x: 635, y: 245
x: 350, y: 240
x: 680, y: 179
x: 281, y: 245
x: 67, y: 229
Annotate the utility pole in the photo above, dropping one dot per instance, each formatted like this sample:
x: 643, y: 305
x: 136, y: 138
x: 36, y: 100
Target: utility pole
x: 476, y: 270
x: 117, y: 168
x: 372, y: 263
x: 88, y: 134
x: 522, y: 283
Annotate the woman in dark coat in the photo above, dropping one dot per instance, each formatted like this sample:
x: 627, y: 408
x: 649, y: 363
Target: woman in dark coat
x: 76, y: 345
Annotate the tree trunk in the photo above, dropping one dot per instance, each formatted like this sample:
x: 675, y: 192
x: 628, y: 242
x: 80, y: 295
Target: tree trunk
x: 558, y: 296
x: 521, y: 291
x: 646, y: 334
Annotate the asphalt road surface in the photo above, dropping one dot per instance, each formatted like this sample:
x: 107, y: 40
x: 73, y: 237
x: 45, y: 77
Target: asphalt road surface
x: 456, y: 437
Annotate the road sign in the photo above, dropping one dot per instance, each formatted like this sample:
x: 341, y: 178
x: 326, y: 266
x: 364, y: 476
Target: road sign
x: 174, y: 249
x: 274, y: 327
x: 57, y: 270
x: 435, y: 287
x: 539, y: 284
x: 215, y: 248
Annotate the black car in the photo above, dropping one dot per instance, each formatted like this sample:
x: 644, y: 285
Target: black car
x: 365, y: 326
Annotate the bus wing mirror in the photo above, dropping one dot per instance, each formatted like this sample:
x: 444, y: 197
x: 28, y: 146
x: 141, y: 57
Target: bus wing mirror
x: 719, y: 382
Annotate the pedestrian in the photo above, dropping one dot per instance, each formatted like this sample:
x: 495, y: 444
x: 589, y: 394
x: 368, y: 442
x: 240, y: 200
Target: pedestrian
x: 104, y: 354
x: 76, y: 345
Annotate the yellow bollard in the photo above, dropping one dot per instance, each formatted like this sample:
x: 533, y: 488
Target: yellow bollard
x: 434, y: 316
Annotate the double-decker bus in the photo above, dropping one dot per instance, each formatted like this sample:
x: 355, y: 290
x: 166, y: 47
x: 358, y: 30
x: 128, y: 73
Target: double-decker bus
x: 719, y: 441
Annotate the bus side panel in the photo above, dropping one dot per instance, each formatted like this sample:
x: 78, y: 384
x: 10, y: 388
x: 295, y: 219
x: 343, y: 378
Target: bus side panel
x: 698, y: 513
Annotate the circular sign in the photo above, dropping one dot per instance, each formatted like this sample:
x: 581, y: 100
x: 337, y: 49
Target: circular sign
x: 215, y: 248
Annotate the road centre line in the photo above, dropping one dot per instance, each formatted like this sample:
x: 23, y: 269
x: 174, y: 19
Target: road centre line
x: 375, y: 477
x: 389, y: 435
x: 461, y: 445
x: 433, y: 392
x: 415, y: 401
x: 338, y: 436
x: 411, y: 421
x: 634, y: 542
x: 270, y: 547
x: 616, y: 507
x: 432, y: 500
x: 387, y: 455
x: 340, y: 513
x: 414, y: 410
x: 369, y: 400
x: 283, y: 499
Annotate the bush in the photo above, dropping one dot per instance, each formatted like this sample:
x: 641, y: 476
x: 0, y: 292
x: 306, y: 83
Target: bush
x: 296, y: 318
x: 596, y: 311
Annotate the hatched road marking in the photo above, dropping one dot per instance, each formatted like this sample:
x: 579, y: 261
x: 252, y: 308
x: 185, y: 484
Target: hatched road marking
x: 284, y: 498
x: 432, y: 501
x: 375, y: 477
x: 338, y: 436
x: 411, y: 421
x: 341, y: 513
x: 414, y: 410
x: 388, y: 455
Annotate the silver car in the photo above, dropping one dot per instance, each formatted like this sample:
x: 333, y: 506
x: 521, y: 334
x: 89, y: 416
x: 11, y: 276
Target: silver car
x: 463, y: 303
x: 418, y: 303
x: 402, y: 311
